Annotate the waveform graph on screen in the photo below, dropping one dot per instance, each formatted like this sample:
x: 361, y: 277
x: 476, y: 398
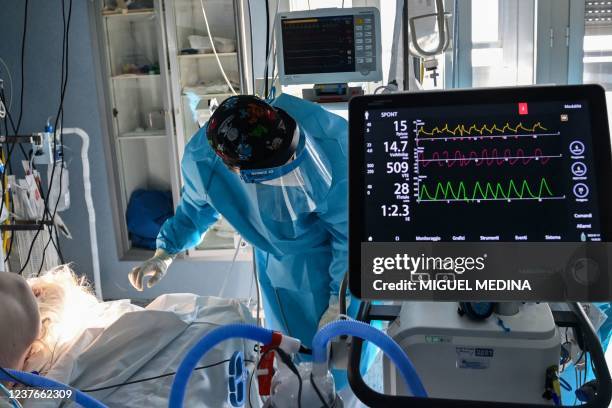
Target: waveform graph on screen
x: 487, y: 161
x: 482, y: 131
x: 485, y: 157
x: 488, y: 191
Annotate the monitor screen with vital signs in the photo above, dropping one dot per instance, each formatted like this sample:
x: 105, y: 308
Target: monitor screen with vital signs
x: 475, y: 167
x: 505, y: 172
x: 327, y: 46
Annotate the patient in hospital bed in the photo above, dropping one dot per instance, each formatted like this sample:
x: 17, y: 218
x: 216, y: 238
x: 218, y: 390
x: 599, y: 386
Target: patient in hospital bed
x: 74, y: 339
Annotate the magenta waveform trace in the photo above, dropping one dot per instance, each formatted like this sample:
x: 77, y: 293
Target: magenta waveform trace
x: 488, y: 157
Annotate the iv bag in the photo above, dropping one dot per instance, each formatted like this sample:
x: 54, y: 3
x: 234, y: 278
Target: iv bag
x: 54, y: 187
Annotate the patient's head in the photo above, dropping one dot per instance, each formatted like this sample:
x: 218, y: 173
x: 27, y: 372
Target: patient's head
x: 40, y: 316
x: 19, y: 320
x: 62, y: 301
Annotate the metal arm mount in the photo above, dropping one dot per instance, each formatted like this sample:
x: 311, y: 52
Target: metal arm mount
x: 34, y: 138
x: 25, y: 225
x: 369, y: 312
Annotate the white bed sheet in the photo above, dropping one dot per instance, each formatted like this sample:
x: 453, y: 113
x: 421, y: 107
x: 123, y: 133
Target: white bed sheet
x: 143, y: 343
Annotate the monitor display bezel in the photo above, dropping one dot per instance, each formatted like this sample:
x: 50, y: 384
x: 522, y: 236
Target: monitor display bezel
x: 593, y: 94
x: 334, y: 77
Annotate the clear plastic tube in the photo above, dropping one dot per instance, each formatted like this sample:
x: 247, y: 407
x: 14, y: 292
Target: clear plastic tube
x: 212, y: 43
x: 364, y: 331
x: 38, y: 381
x: 216, y: 336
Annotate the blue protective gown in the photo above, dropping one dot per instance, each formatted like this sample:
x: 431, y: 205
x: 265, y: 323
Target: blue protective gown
x: 300, y: 262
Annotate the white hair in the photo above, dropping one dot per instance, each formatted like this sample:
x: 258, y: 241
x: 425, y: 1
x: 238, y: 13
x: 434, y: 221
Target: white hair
x: 63, y: 300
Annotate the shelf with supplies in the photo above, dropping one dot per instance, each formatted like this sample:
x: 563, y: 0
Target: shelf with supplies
x: 144, y: 134
x: 128, y: 13
x: 208, y: 55
x: 196, y: 71
x: 138, y: 106
x: 135, y: 76
x: 197, y: 79
x: 153, y: 108
x: 206, y: 95
x: 141, y: 136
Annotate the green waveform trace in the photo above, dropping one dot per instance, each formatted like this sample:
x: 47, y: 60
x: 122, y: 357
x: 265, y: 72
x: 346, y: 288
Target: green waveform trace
x: 495, y: 191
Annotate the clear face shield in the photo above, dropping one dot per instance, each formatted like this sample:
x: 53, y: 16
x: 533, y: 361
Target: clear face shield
x: 284, y: 193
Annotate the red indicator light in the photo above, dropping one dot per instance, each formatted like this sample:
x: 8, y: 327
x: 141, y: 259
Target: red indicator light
x: 523, y: 108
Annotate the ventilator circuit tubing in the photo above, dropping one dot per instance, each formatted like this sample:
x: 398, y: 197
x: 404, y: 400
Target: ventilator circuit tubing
x: 216, y: 336
x: 366, y: 332
x: 38, y: 381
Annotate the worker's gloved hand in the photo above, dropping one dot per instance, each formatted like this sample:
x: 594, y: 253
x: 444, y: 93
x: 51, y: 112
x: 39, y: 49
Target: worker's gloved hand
x: 154, y: 268
x: 332, y: 313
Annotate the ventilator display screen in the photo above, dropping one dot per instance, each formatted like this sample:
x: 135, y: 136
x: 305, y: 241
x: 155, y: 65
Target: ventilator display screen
x: 481, y: 195
x: 518, y: 170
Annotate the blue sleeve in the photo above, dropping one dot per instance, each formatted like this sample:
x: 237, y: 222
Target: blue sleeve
x: 335, y: 220
x: 332, y: 131
x: 194, y: 215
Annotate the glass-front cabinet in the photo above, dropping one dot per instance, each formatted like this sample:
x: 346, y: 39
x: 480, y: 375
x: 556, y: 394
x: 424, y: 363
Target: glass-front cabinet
x: 160, y: 78
x: 204, y: 73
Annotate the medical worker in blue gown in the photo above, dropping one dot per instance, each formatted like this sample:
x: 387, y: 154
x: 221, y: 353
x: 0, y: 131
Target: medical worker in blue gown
x: 278, y: 174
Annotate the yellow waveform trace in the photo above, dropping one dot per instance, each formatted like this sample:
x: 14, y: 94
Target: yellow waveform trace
x: 463, y: 130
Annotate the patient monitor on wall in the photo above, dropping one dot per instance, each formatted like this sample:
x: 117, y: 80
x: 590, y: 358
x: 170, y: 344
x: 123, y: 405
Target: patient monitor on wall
x: 329, y: 46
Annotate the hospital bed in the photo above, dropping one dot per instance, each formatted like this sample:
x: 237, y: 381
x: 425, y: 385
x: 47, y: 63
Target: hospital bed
x: 109, y: 363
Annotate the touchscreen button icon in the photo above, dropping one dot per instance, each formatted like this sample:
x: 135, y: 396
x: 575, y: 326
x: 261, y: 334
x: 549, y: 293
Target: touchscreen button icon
x: 581, y: 190
x: 579, y: 169
x: 576, y: 148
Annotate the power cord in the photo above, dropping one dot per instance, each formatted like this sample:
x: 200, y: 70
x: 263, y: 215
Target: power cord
x: 319, y: 393
x: 23, y: 42
x: 218, y: 363
x: 251, y: 45
x: 58, y: 119
x: 21, y: 97
x: 291, y: 365
x: 265, y: 93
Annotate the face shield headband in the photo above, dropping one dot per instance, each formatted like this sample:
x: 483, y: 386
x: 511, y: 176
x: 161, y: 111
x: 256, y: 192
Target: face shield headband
x: 262, y: 175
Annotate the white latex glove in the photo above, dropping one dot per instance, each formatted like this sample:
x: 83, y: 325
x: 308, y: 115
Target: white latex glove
x: 154, y: 268
x: 332, y: 313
